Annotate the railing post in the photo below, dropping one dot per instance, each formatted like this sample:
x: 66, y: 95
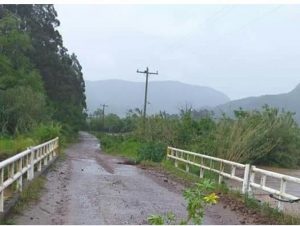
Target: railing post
x: 201, y: 169
x: 46, y: 155
x: 11, y: 170
x: 187, y: 167
x: 167, y: 157
x: 2, y: 190
x: 39, y: 153
x: 30, y: 172
x: 20, y: 180
x: 176, y: 161
x: 282, y: 190
x: 246, y: 183
x: 233, y: 170
x: 263, y: 180
x: 251, y: 180
x: 55, y: 147
x: 51, y: 151
x: 221, y: 171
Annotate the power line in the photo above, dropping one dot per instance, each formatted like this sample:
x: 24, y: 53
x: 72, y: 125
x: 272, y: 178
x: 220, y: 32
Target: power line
x: 253, y: 21
x: 212, y: 19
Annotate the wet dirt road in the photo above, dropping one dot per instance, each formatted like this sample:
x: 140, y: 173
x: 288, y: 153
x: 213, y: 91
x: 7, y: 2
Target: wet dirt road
x: 90, y: 187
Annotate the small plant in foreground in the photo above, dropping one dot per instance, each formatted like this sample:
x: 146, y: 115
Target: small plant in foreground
x: 198, y: 198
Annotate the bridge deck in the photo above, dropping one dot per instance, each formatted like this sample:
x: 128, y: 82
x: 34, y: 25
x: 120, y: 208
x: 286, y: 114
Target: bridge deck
x: 89, y: 187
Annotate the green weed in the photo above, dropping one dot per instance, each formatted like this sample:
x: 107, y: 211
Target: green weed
x: 198, y: 198
x: 30, y: 194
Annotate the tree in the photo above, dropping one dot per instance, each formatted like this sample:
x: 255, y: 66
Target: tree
x: 60, y: 71
x: 22, y: 98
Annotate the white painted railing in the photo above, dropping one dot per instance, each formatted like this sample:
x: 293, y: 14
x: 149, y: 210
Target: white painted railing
x: 225, y: 168
x: 281, y: 192
x: 26, y: 162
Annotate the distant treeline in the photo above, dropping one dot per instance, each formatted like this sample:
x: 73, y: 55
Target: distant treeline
x: 40, y: 81
x: 265, y: 137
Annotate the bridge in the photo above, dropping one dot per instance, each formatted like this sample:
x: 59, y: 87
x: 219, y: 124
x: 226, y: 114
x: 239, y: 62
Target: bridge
x: 88, y: 186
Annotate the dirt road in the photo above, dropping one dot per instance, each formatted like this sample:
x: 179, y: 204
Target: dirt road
x: 90, y: 187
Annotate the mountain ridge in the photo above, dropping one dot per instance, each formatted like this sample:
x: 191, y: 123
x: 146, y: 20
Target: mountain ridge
x: 167, y: 95
x: 288, y: 101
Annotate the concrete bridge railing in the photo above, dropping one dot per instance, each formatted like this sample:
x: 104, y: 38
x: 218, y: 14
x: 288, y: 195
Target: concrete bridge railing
x: 247, y: 174
x: 27, y: 162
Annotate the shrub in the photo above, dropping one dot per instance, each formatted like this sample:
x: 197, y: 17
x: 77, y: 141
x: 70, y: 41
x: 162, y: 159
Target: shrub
x: 45, y: 132
x: 152, y: 151
x: 10, y: 146
x: 197, y: 198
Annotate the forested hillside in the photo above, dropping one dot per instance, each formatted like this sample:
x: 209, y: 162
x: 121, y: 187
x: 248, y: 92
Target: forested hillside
x: 41, y: 83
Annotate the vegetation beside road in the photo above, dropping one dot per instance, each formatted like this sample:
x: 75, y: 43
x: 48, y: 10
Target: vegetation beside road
x: 41, y: 84
x: 264, y: 137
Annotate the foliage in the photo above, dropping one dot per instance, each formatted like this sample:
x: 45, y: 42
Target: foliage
x: 169, y: 218
x: 22, y: 97
x: 254, y: 136
x: 28, y: 109
x: 156, y: 220
x: 41, y: 84
x: 120, y: 145
x: 10, y: 146
x: 45, y: 132
x: 198, y: 198
x: 152, y: 151
x: 33, y: 56
x: 110, y: 123
x: 31, y: 193
x: 268, y: 136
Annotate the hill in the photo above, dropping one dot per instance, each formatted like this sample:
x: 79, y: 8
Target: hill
x: 288, y: 101
x: 162, y: 95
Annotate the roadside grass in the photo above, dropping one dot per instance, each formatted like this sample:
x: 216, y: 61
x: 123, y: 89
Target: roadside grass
x: 119, y: 146
x: 30, y: 194
x: 10, y: 146
x: 33, y: 189
x: 192, y: 177
x: 263, y: 208
x: 128, y: 149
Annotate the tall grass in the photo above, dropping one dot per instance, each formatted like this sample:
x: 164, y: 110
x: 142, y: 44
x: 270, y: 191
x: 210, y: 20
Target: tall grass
x: 120, y: 145
x: 11, y: 145
x: 255, y: 136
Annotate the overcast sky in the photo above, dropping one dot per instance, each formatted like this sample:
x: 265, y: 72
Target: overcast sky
x: 241, y: 50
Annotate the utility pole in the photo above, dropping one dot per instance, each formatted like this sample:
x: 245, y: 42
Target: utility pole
x: 146, y: 88
x: 103, y: 111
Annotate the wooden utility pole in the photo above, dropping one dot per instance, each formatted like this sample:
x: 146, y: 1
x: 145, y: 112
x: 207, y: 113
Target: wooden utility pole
x: 146, y: 88
x: 103, y: 113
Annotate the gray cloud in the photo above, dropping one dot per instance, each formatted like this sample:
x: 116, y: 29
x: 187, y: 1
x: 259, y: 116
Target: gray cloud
x: 242, y: 50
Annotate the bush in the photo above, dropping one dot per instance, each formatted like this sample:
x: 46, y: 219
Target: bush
x: 45, y: 132
x: 27, y: 110
x: 267, y: 137
x: 10, y: 146
x: 152, y: 151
